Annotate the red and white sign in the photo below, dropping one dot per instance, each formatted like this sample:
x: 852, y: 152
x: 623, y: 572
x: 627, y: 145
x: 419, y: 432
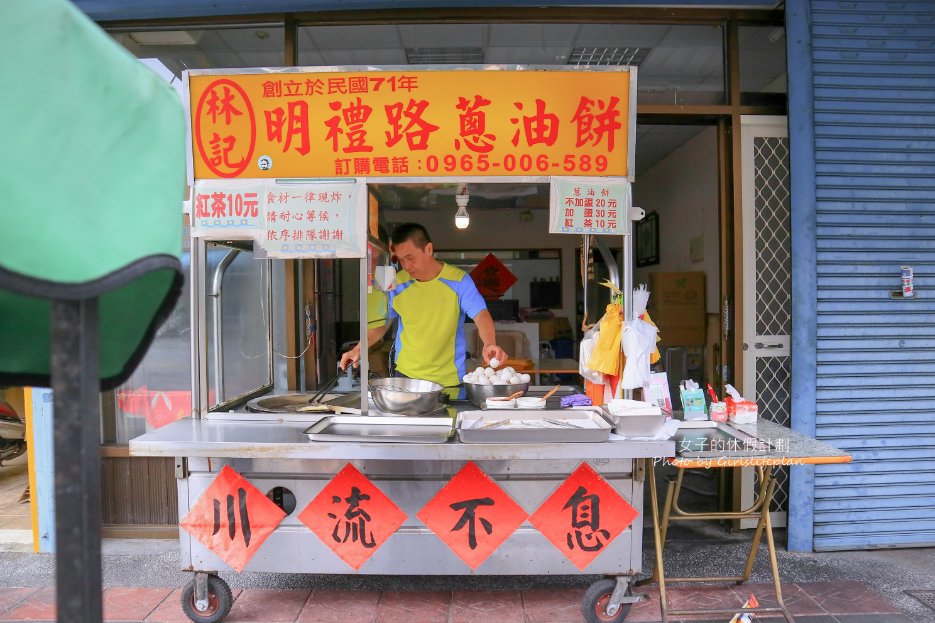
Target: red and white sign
x: 583, y: 516
x: 232, y: 518
x: 492, y: 277
x: 472, y: 515
x: 352, y: 516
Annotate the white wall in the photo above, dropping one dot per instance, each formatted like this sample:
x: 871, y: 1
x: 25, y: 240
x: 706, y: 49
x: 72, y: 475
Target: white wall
x: 492, y: 230
x: 682, y: 188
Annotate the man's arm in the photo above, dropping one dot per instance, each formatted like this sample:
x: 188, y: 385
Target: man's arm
x: 488, y: 336
x: 373, y: 335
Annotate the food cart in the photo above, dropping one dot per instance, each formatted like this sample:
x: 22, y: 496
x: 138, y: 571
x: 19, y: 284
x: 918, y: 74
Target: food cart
x: 264, y: 489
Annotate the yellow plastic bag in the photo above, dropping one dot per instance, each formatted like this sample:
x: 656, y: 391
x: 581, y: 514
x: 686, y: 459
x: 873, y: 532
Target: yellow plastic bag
x: 605, y: 358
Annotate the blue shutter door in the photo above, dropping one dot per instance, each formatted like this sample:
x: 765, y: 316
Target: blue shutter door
x: 874, y: 131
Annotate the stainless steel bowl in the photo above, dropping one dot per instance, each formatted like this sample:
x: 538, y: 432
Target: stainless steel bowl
x: 478, y: 394
x: 404, y: 396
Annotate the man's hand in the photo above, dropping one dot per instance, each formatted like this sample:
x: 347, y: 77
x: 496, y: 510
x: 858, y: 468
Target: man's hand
x: 492, y: 351
x: 350, y: 357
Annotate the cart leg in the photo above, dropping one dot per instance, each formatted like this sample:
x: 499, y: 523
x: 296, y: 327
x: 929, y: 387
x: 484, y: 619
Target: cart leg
x: 657, y: 539
x: 201, y: 590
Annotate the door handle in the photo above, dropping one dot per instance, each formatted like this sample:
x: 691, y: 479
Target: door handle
x: 762, y: 346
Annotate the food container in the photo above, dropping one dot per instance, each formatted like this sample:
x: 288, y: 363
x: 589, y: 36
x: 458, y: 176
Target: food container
x: 514, y: 426
x: 402, y: 396
x: 478, y: 394
x: 381, y: 429
x: 632, y: 418
x: 530, y: 402
x: 500, y: 403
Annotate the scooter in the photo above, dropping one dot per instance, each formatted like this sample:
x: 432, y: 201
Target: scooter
x: 12, y: 433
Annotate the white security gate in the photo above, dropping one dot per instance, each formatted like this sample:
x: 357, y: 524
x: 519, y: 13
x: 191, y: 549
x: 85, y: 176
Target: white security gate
x: 767, y: 285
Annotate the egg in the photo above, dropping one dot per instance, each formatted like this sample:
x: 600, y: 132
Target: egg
x: 494, y: 362
x: 483, y: 380
x: 467, y: 378
x: 499, y: 382
x: 478, y: 370
x: 515, y: 380
x: 489, y: 373
x: 505, y: 376
x: 524, y: 378
x: 510, y: 370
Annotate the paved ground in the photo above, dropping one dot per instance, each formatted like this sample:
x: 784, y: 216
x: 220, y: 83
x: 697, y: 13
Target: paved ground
x: 143, y: 583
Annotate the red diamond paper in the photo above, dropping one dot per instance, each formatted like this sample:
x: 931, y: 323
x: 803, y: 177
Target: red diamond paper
x: 492, y: 277
x: 352, y: 516
x: 232, y: 518
x: 472, y: 515
x: 583, y: 516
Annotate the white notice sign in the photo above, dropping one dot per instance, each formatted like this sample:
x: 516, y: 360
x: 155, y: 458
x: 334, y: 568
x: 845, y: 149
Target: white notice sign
x: 579, y: 205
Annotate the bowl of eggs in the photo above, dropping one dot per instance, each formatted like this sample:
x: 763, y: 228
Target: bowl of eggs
x: 484, y: 383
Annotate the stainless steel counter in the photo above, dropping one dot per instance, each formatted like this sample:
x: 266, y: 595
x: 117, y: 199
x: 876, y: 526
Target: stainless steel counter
x: 286, y: 439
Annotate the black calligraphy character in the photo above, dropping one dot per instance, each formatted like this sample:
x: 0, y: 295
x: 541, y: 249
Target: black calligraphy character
x: 354, y: 519
x: 470, y: 516
x: 585, y: 513
x: 231, y: 517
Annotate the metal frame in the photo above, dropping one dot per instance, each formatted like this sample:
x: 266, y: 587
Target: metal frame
x: 672, y: 512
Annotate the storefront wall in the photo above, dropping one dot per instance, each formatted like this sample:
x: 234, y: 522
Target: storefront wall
x: 863, y: 205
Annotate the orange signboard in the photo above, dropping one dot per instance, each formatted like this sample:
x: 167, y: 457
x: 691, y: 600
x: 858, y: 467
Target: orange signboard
x: 410, y: 123
x: 232, y: 518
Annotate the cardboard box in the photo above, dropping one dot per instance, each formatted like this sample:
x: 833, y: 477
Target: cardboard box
x: 681, y: 290
x: 680, y: 327
x: 554, y: 328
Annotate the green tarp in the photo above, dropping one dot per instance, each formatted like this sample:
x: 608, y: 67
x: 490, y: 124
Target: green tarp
x: 92, y: 177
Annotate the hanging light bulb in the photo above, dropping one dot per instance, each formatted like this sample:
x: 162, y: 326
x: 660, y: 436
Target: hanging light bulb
x: 462, y: 218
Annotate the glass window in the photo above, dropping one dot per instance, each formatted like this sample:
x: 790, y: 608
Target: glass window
x: 237, y: 323
x: 160, y: 389
x: 762, y: 65
x: 677, y: 64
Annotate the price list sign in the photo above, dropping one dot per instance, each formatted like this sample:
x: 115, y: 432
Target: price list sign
x: 589, y: 206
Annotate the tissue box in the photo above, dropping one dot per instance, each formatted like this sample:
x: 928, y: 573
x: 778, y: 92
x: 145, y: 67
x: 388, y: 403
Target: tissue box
x: 693, y: 405
x: 743, y: 412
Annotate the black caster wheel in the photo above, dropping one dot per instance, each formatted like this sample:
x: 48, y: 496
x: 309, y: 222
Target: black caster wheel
x: 595, y: 600
x: 220, y: 601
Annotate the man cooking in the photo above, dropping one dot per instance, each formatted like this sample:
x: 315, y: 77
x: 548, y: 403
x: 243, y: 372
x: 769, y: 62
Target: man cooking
x: 430, y: 301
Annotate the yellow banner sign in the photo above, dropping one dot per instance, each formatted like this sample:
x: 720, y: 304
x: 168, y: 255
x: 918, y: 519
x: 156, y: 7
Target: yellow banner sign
x: 408, y: 123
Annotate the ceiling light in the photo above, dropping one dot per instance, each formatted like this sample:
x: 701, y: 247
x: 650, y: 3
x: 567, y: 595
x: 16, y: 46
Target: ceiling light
x: 444, y: 56
x: 166, y: 37
x: 462, y: 218
x: 619, y: 56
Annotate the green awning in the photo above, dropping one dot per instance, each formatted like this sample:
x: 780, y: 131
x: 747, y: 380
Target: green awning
x: 92, y: 178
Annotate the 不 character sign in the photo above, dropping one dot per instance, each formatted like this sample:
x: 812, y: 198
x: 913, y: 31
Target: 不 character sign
x: 408, y: 123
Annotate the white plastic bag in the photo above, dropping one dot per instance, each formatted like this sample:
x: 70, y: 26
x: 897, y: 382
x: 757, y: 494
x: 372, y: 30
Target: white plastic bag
x: 585, y: 349
x: 638, y: 342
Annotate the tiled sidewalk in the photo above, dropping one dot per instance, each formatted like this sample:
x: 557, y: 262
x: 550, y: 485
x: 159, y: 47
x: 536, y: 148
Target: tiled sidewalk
x: 825, y: 602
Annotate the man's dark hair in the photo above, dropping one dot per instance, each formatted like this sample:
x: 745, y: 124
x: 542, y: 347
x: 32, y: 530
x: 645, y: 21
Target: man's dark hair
x: 412, y: 232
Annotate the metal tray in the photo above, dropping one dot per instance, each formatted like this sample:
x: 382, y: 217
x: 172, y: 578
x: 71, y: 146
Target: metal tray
x: 381, y: 429
x: 288, y: 403
x: 597, y: 430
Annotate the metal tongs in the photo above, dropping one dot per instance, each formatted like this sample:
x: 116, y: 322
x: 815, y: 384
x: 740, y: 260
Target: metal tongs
x: 325, y: 388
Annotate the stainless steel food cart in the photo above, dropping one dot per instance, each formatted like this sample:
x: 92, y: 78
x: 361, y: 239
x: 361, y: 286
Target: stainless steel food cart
x: 272, y: 451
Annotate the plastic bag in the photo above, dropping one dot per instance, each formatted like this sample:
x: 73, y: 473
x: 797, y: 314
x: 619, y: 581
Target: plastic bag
x: 606, y: 355
x: 639, y: 341
x: 585, y: 351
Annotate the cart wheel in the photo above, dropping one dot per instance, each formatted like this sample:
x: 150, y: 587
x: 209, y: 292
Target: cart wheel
x: 595, y: 600
x: 220, y: 601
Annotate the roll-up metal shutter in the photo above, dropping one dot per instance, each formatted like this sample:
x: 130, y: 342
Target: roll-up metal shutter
x: 874, y: 111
